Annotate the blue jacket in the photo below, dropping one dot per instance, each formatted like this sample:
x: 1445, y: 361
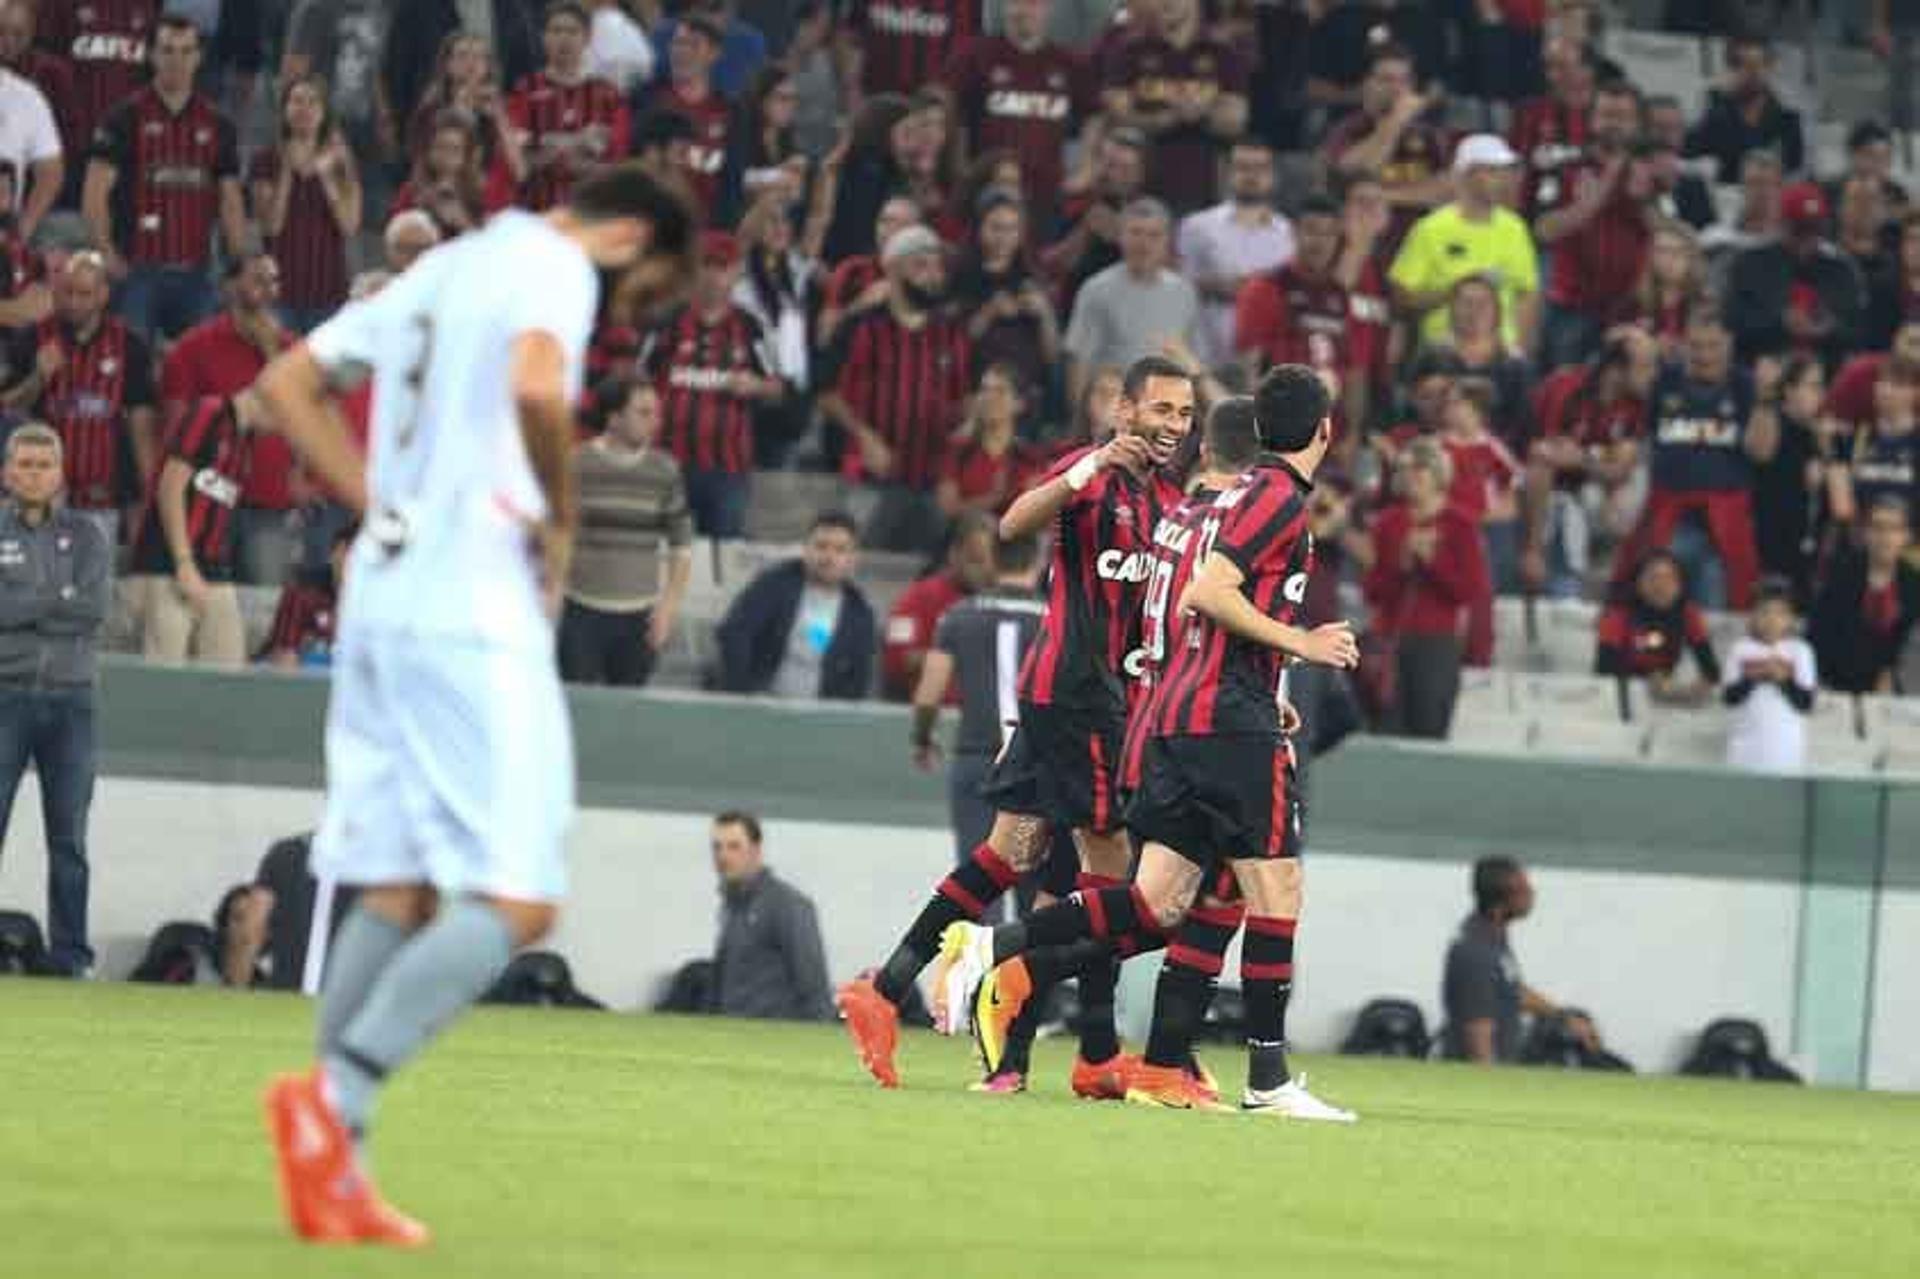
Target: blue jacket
x: 752, y: 637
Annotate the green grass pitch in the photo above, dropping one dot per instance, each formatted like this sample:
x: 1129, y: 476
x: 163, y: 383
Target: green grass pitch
x: 561, y: 1144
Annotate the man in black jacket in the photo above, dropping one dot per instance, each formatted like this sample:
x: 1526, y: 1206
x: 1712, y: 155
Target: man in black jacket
x: 1745, y: 114
x: 768, y: 960
x: 1797, y: 292
x: 1866, y: 610
x: 802, y: 629
x: 55, y: 571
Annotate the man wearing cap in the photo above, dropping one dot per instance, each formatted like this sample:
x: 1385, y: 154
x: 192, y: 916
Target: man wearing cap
x: 1797, y: 294
x: 1475, y: 235
x: 711, y: 365
x: 897, y: 376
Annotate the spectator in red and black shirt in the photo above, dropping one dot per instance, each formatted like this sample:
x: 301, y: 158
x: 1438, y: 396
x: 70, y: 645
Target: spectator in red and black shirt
x: 220, y: 358
x: 902, y: 370
x: 898, y: 46
x: 565, y: 121
x: 1580, y: 470
x: 1389, y: 138
x: 165, y: 167
x: 711, y: 366
x: 183, y: 554
x: 858, y: 283
x: 1303, y: 314
x: 1550, y: 132
x: 987, y: 465
x: 1645, y: 635
x: 1596, y: 223
x: 92, y: 381
x: 308, y: 198
x: 692, y: 95
x: 1186, y: 91
x: 1867, y: 607
x: 304, y: 619
x: 449, y: 182
x: 1022, y: 91
x: 466, y: 80
x: 106, y: 43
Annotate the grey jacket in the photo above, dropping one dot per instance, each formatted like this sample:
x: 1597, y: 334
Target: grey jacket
x: 769, y: 961
x: 55, y: 581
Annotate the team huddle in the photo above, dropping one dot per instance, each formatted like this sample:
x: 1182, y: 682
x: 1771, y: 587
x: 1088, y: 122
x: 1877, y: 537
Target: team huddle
x: 1152, y: 708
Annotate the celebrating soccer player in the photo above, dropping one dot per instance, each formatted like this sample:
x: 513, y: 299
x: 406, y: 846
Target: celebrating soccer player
x: 449, y: 755
x: 1059, y: 769
x: 1217, y: 778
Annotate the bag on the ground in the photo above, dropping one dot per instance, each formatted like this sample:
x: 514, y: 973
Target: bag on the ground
x: 23, y: 950
x: 1735, y: 1048
x: 1389, y: 1028
x: 178, y: 955
x: 539, y: 979
x: 1551, y: 1042
x: 689, y: 990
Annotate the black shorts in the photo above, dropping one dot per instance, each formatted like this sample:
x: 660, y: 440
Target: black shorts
x: 1061, y: 765
x: 1218, y: 799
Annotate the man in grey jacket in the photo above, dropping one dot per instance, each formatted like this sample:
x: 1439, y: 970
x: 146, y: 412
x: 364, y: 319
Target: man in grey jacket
x: 768, y: 961
x: 55, y: 570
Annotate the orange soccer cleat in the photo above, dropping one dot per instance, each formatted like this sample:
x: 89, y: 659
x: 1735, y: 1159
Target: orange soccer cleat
x: 874, y: 1023
x: 1168, y: 1088
x: 326, y: 1197
x: 1105, y: 1081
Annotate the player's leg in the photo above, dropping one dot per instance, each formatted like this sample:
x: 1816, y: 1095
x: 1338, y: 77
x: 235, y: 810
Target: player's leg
x: 383, y: 917
x: 1272, y: 886
x: 1105, y: 859
x: 1196, y: 953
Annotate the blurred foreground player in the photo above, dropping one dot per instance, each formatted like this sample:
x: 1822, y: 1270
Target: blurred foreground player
x: 1217, y: 779
x: 1059, y: 769
x: 449, y: 755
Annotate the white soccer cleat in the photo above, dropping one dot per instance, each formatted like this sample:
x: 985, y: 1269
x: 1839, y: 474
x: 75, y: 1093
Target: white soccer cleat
x: 1291, y: 1100
x: 966, y: 957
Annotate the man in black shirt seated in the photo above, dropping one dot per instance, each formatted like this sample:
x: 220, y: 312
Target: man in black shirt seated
x: 1482, y: 992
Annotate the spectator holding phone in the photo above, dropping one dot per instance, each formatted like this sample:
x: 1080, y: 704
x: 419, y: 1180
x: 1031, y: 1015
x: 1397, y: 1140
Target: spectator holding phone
x: 1770, y: 681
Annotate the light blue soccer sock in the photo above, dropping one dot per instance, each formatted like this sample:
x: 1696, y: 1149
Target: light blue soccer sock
x: 446, y: 967
x: 361, y: 951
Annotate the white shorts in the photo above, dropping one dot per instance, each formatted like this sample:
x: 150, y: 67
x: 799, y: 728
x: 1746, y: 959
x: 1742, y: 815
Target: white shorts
x: 448, y: 764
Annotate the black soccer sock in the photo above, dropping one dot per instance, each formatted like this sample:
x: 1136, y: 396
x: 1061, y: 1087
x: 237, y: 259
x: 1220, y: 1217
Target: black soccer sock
x: 1099, y: 977
x: 1266, y: 979
x: 1112, y: 914
x: 1196, y: 953
x: 973, y: 886
x: 1018, y: 1057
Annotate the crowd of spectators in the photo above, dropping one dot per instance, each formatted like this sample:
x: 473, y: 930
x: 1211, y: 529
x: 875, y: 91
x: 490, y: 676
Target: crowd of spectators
x: 1583, y: 344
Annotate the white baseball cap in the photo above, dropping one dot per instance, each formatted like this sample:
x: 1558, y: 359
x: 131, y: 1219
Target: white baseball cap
x: 1483, y: 151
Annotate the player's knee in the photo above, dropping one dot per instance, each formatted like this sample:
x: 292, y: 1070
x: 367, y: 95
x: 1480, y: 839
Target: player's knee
x: 1168, y: 908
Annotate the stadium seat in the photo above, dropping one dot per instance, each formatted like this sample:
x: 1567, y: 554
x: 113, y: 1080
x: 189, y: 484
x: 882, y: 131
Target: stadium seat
x: 1898, y: 731
x: 1579, y: 715
x: 1660, y: 63
x: 1853, y: 85
x: 1695, y: 737
x: 1567, y: 629
x: 1834, y: 747
x: 1491, y: 734
x: 1485, y: 693
x: 785, y: 502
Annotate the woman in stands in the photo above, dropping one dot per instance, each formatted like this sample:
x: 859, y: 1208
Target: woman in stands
x: 1645, y: 634
x: 1009, y: 317
x: 450, y: 181
x: 466, y: 79
x: 307, y: 198
x: 1428, y: 575
x: 1789, y: 509
x: 764, y: 157
x: 986, y: 465
x: 1672, y: 286
x: 778, y: 287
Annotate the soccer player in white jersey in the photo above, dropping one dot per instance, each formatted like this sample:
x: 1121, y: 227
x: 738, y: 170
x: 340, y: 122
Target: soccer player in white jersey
x: 449, y: 754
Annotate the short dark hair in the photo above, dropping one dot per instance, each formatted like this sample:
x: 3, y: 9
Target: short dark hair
x: 1148, y: 367
x: 609, y: 397
x: 1291, y: 403
x: 1318, y: 205
x: 1017, y: 555
x: 743, y: 819
x: 1743, y: 40
x: 834, y: 519
x: 1390, y: 51
x: 1866, y: 133
x: 1233, y: 433
x: 237, y: 263
x: 566, y: 9
x: 707, y: 25
x: 1773, y: 589
x: 1492, y: 879
x: 1620, y: 89
x: 178, y: 22
x: 629, y: 191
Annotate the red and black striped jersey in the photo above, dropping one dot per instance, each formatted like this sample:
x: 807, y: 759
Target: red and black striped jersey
x: 907, y: 384
x: 1217, y: 683
x: 1175, y: 537
x: 691, y: 361
x: 100, y: 381
x: 310, y: 248
x: 570, y: 129
x: 170, y: 169
x: 905, y: 45
x: 106, y: 42
x: 207, y: 436
x: 303, y: 621
x: 1102, y: 556
x: 705, y: 157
